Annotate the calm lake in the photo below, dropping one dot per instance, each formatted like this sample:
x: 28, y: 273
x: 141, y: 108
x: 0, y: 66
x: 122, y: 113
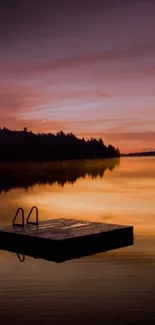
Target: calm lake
x: 116, y: 287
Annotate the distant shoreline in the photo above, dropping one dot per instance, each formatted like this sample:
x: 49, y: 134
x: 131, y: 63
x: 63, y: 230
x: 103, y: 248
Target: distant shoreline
x: 140, y: 154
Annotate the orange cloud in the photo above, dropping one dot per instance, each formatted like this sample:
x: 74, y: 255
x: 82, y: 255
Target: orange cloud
x: 89, y: 95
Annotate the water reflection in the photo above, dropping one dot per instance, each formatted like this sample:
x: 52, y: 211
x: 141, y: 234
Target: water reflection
x: 25, y: 175
x: 114, y: 287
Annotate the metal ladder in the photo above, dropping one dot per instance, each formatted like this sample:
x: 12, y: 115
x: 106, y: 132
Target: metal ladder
x: 14, y: 223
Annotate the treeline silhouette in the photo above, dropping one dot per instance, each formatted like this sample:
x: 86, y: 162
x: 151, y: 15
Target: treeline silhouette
x: 27, y: 146
x: 28, y: 174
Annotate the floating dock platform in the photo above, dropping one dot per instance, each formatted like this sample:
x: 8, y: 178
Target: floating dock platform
x: 64, y: 239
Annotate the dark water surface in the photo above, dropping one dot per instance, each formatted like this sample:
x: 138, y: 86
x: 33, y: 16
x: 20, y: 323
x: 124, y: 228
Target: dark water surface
x: 117, y: 287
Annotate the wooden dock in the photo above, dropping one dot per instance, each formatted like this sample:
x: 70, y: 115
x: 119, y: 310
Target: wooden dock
x: 64, y: 239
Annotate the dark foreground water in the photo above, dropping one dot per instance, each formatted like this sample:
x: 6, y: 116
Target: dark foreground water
x: 117, y: 287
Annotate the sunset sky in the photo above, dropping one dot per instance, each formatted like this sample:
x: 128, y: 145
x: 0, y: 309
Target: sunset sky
x: 86, y: 67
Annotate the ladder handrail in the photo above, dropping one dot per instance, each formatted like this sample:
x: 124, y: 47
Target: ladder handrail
x: 18, y: 224
x: 28, y: 217
x: 21, y: 257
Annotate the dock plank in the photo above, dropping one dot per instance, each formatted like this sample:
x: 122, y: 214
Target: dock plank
x: 63, y: 239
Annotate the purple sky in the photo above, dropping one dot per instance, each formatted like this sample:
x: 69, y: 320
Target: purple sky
x: 80, y: 66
